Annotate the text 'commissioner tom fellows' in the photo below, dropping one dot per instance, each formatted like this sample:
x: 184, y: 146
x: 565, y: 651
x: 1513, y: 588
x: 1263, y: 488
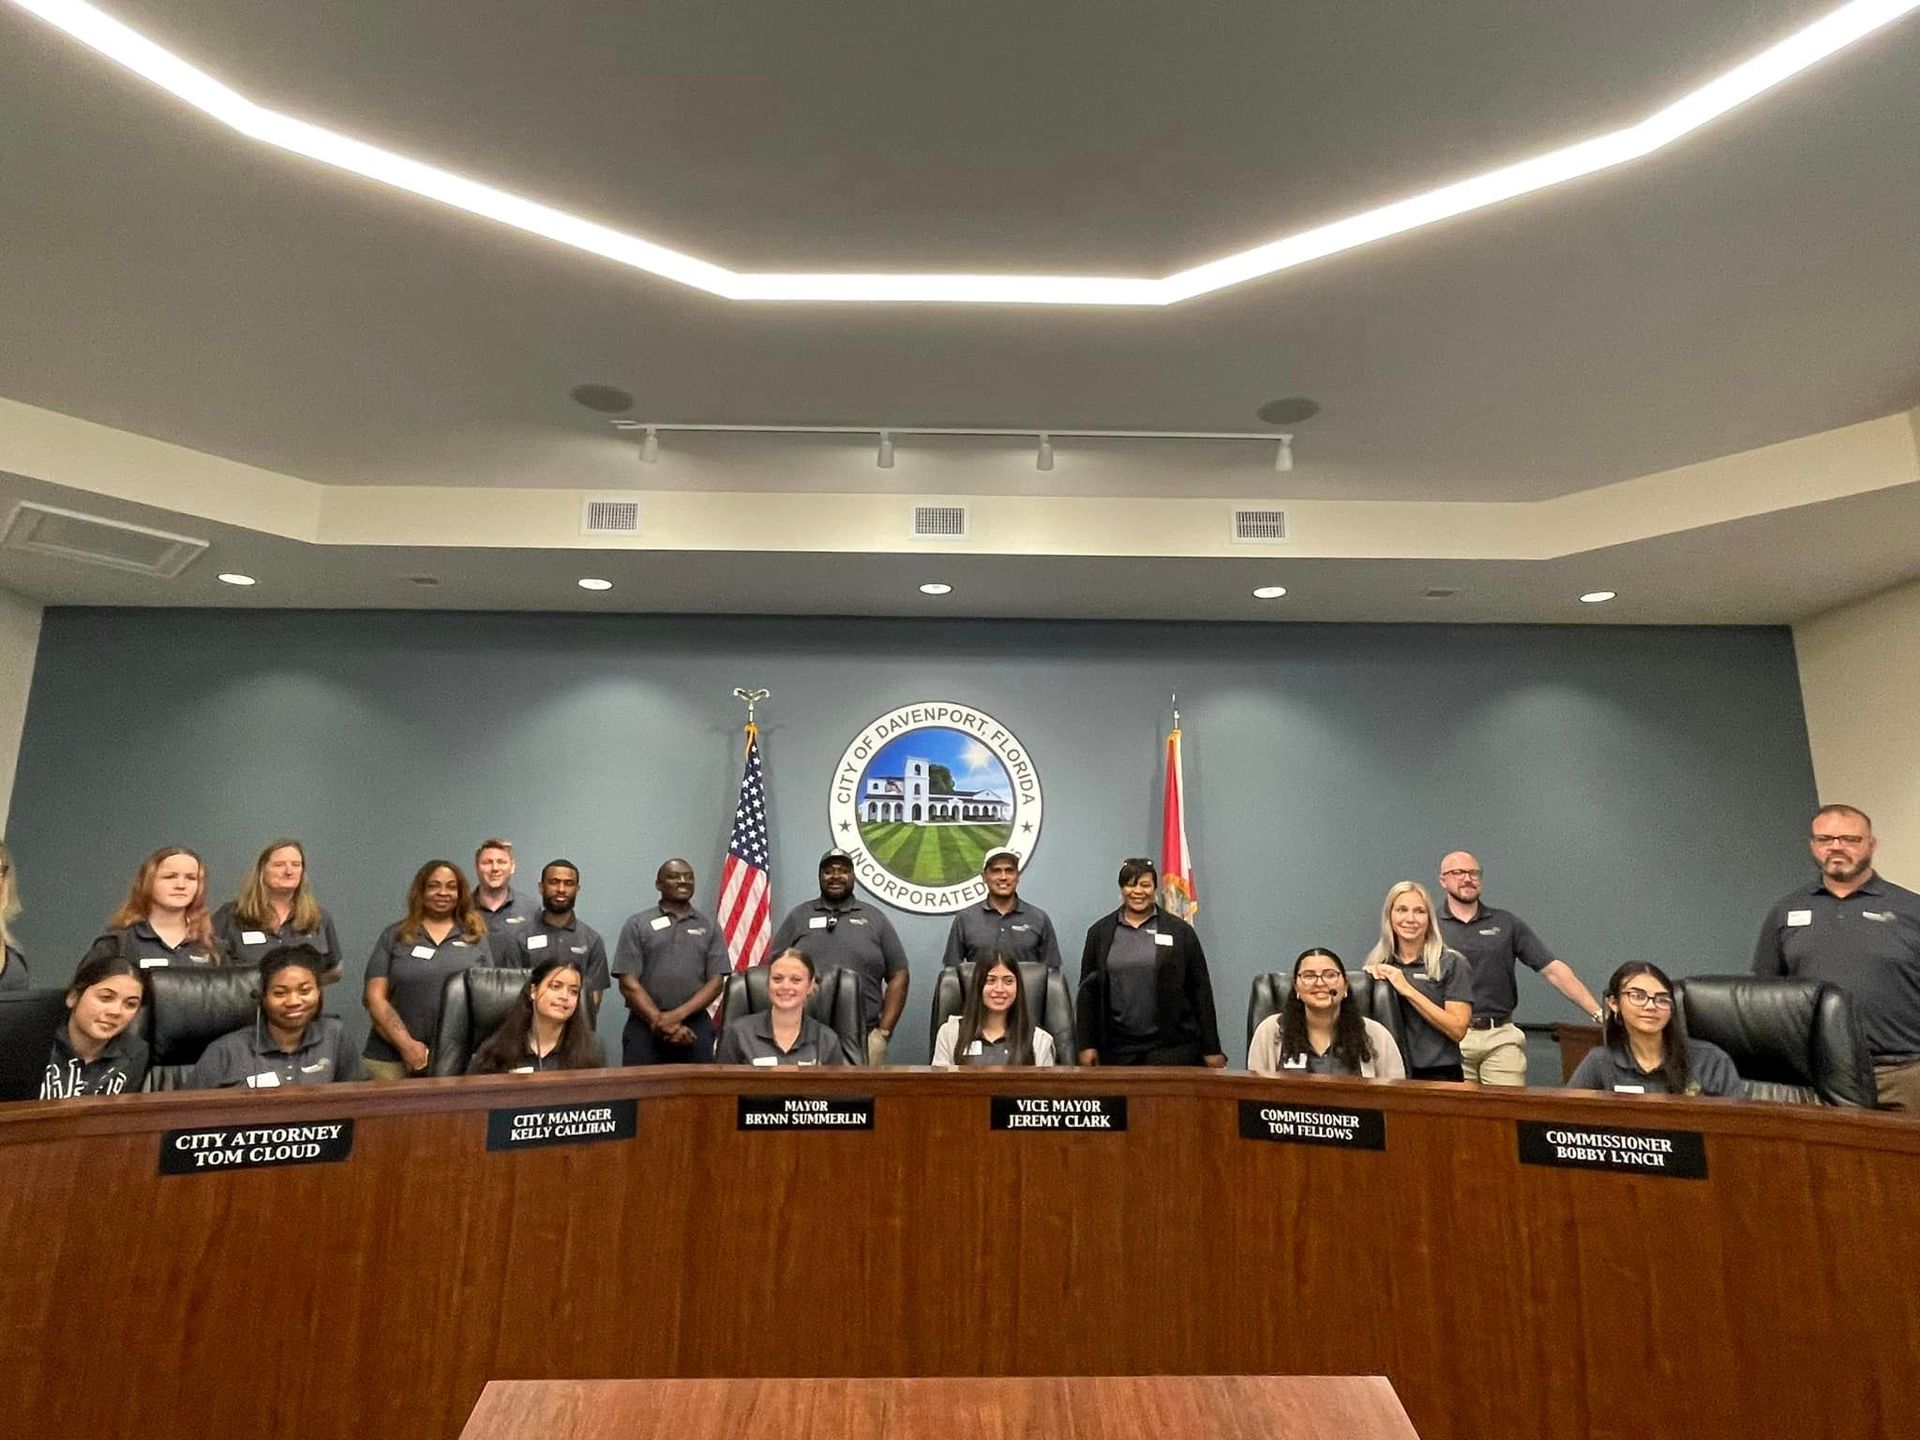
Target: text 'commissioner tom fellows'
x: 1291, y: 1124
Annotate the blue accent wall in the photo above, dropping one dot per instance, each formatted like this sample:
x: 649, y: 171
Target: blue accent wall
x: 1632, y: 792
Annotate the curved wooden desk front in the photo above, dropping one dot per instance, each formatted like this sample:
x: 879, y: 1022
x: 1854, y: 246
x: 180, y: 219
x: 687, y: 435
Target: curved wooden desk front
x: 370, y: 1299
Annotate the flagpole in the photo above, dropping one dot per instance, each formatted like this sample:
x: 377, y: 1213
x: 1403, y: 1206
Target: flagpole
x: 753, y: 699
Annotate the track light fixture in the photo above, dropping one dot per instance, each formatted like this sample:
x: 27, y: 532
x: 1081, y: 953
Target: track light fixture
x: 884, y: 459
x: 650, y: 447
x: 1044, y: 459
x: 1283, y: 457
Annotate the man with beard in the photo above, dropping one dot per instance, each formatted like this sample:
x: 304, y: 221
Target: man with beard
x: 837, y: 930
x: 557, y: 933
x: 1494, y: 1050
x: 1861, y: 932
x: 671, y: 962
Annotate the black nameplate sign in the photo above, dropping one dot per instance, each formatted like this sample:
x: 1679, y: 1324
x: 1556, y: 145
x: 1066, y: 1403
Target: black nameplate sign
x: 522, y: 1128
x: 806, y: 1112
x: 255, y: 1147
x: 1291, y: 1124
x: 1059, y: 1112
x: 1677, y: 1154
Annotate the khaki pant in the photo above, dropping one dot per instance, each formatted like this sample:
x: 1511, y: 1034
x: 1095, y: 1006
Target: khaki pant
x: 1495, y: 1057
x: 385, y: 1069
x: 1899, y: 1087
x: 876, y: 1048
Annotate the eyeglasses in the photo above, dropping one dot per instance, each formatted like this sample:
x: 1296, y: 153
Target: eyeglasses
x: 1318, y: 979
x: 1460, y: 874
x: 1847, y: 840
x: 1647, y: 1000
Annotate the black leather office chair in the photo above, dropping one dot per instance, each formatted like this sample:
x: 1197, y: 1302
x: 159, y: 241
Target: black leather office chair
x: 835, y: 1003
x: 28, y: 1019
x: 1375, y: 998
x: 472, y: 1006
x: 1792, y: 1040
x: 1048, y: 1000
x: 188, y: 1008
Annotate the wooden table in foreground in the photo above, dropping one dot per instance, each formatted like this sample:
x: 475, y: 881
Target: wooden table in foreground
x: 1131, y: 1407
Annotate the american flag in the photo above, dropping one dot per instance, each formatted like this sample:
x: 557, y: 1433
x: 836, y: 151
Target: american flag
x: 746, y: 916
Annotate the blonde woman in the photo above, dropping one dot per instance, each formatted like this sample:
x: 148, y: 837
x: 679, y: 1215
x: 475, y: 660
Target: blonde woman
x: 13, y: 965
x: 275, y: 908
x: 1432, y: 984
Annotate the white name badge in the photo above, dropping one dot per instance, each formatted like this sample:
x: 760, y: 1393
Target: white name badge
x: 149, y: 962
x: 521, y: 1070
x: 1299, y: 1062
x: 817, y: 922
x: 661, y: 922
x: 766, y: 1059
x: 976, y: 1048
x: 1163, y: 939
x: 253, y: 937
x: 268, y: 1081
x: 423, y: 952
x: 536, y: 942
x: 1629, y: 1089
x: 1799, y: 917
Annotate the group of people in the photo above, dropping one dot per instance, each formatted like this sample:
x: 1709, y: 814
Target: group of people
x: 1144, y: 997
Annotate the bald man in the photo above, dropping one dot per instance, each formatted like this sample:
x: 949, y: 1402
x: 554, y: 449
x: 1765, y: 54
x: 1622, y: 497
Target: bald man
x: 1495, y: 1049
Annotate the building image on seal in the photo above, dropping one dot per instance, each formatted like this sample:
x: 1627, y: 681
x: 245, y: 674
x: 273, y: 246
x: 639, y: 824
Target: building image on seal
x: 907, y: 798
x: 931, y: 803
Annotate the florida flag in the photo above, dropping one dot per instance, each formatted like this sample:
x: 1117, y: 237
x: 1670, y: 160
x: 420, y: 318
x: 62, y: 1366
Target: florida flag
x: 1178, y: 891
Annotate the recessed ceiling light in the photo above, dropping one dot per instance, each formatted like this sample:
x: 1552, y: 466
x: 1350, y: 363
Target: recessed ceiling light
x: 233, y: 577
x: 1269, y: 592
x: 591, y: 583
x: 607, y: 399
x: 935, y: 587
x: 1598, y: 597
x: 1290, y: 411
x: 1700, y: 106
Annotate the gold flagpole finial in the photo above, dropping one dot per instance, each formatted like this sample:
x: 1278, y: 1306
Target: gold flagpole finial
x: 752, y: 697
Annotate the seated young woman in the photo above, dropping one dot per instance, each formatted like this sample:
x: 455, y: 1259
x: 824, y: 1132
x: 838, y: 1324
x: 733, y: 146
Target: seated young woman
x: 1646, y: 1049
x: 784, y: 1034
x: 289, y: 1042
x: 547, y: 1029
x: 1320, y: 1031
x: 995, y: 1026
x: 95, y: 1051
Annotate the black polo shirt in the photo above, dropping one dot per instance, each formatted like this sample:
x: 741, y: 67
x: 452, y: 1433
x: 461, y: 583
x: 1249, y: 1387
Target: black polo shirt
x: 851, y: 935
x: 540, y: 940
x: 749, y: 1041
x: 142, y: 945
x: 1427, y: 1047
x: 1867, y: 944
x: 513, y: 916
x: 1709, y: 1072
x: 1492, y: 940
x: 247, y: 946
x: 1024, y: 933
x: 416, y: 973
x: 672, y: 956
x: 120, y: 1068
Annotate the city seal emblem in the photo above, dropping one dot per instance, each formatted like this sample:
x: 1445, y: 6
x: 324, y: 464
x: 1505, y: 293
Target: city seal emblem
x: 920, y: 797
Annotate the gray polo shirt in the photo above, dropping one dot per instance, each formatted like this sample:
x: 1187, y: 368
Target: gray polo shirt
x: 416, y: 973
x: 749, y: 1041
x: 1426, y: 1046
x: 850, y: 935
x: 13, y: 975
x: 140, y: 943
x: 249, y: 947
x: 512, y: 917
x: 672, y: 956
x: 1492, y: 940
x: 1023, y: 933
x: 250, y: 1058
x: 1133, y: 998
x: 1710, y: 1072
x: 540, y: 940
x: 1868, y: 944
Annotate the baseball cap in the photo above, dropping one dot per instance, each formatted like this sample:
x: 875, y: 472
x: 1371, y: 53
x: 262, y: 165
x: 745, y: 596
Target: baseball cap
x: 996, y: 853
x: 835, y: 854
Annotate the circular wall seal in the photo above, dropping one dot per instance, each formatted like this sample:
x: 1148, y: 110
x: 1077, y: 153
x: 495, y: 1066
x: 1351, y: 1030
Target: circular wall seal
x: 922, y: 794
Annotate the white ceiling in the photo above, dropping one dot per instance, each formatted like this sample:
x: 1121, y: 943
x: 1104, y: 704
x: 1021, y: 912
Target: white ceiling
x: 168, y: 279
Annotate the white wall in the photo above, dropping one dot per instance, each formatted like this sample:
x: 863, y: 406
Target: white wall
x: 1860, y: 681
x: 19, y: 640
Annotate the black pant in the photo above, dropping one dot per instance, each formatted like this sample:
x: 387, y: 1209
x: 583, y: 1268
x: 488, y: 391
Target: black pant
x: 1436, y: 1072
x: 640, y: 1046
x: 1135, y: 1054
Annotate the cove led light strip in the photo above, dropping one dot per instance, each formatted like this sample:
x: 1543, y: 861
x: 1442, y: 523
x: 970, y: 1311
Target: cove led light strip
x: 1778, y: 63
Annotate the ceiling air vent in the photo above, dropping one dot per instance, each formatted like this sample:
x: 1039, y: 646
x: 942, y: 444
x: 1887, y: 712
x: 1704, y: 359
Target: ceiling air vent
x: 69, y: 535
x: 939, y: 522
x: 1440, y: 592
x: 1259, y: 527
x: 620, y: 516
